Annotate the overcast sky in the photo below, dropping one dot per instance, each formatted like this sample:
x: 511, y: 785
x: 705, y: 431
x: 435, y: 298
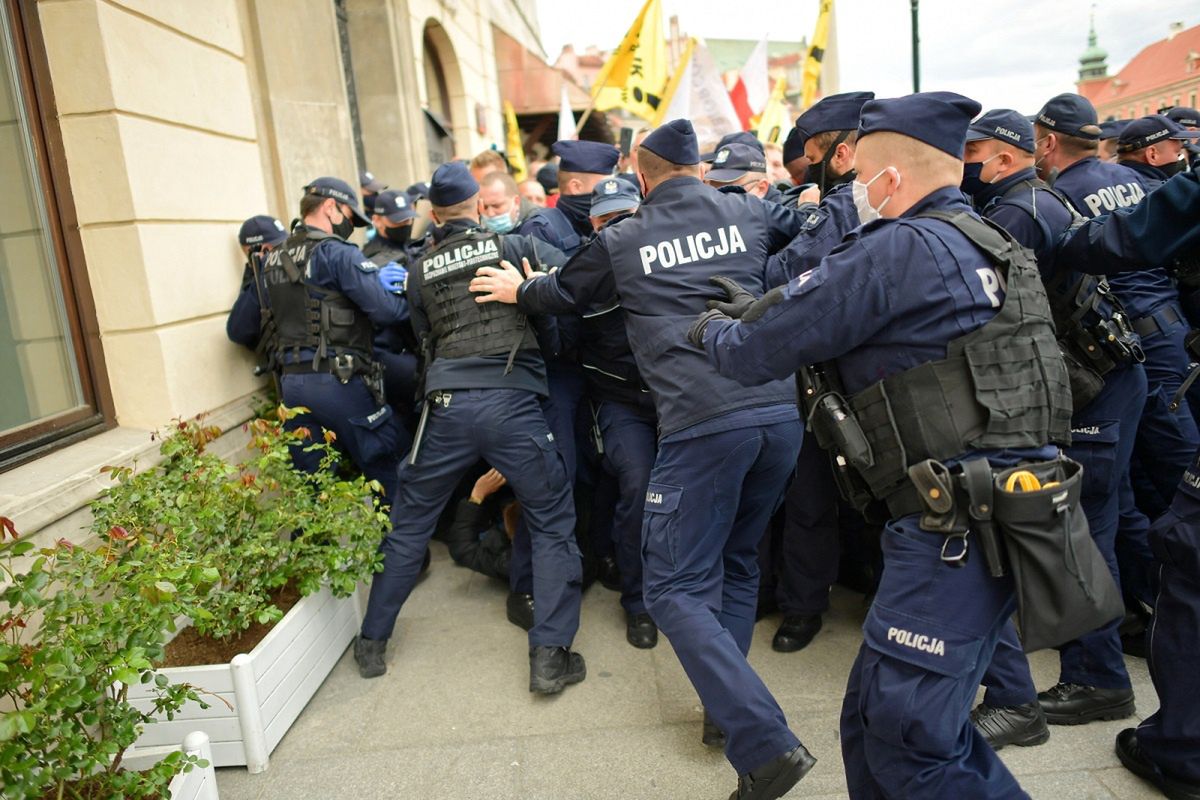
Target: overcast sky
x: 1003, y: 53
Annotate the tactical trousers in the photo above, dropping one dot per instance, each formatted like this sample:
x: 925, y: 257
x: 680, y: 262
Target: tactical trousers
x: 906, y: 730
x: 504, y: 427
x: 1170, y: 737
x: 559, y: 408
x: 367, y: 432
x: 630, y: 443
x: 707, y: 505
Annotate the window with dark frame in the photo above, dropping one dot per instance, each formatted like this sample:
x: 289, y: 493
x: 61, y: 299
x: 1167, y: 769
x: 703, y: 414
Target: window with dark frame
x: 52, y: 388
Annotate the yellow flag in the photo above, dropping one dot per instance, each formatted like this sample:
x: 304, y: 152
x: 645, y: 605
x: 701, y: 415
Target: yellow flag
x: 635, y: 75
x: 812, y: 64
x: 774, y: 122
x: 516, y: 151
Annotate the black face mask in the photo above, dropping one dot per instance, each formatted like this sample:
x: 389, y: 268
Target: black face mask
x: 343, y: 229
x: 1174, y: 168
x: 576, y: 208
x: 823, y: 175
x: 399, y: 234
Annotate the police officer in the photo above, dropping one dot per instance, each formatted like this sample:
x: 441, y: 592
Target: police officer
x: 370, y: 187
x: 724, y: 452
x: 707, y: 160
x: 809, y: 547
x: 483, y: 378
x: 396, y: 346
x: 1189, y: 118
x: 323, y: 296
x: 739, y: 168
x: 258, y: 236
x: 582, y: 166
x: 1152, y: 146
x: 894, y: 306
x: 1110, y: 132
x: 999, y: 176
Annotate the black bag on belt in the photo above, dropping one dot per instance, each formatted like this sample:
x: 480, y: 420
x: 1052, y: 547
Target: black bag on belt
x: 1064, y: 588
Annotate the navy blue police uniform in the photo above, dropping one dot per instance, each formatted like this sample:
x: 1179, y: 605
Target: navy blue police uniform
x: 323, y: 296
x: 814, y: 518
x: 624, y: 414
x: 244, y: 324
x: 482, y: 384
x: 1102, y: 428
x: 896, y: 295
x: 724, y: 452
x: 565, y: 227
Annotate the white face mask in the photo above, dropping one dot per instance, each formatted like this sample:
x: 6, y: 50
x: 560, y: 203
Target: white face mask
x: 862, y: 203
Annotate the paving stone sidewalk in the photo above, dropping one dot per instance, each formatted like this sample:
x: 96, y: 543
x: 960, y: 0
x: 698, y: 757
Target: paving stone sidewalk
x: 453, y: 718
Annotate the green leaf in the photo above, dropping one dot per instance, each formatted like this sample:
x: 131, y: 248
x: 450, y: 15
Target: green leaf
x: 126, y: 676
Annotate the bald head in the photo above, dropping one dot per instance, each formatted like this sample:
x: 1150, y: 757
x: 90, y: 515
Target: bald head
x: 903, y: 169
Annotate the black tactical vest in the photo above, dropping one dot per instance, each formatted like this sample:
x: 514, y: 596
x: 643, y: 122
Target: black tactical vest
x: 1003, y: 385
x: 459, y: 326
x: 312, y: 317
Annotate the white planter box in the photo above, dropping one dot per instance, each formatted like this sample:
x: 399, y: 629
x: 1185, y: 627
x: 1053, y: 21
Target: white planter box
x: 267, y: 688
x: 199, y: 784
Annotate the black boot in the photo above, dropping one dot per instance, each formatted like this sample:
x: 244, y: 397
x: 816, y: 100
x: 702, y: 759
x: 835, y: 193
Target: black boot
x: 609, y: 574
x: 1073, y: 704
x: 369, y: 655
x: 775, y: 778
x: 520, y: 610
x: 640, y: 630
x: 1134, y: 759
x: 552, y: 669
x: 1024, y: 725
x: 710, y: 734
x: 796, y: 632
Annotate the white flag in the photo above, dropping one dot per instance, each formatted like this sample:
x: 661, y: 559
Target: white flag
x: 566, y: 119
x: 701, y: 97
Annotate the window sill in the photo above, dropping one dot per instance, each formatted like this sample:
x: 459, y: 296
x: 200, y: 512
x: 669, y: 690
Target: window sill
x: 37, y: 494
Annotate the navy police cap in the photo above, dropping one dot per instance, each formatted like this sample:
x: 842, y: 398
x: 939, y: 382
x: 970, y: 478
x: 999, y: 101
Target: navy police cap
x: 1071, y: 115
x: 369, y: 183
x: 596, y: 158
x: 418, y: 190
x: 737, y: 137
x: 261, y: 229
x: 395, y: 205
x: 452, y: 183
x: 547, y: 176
x: 793, y: 145
x: 735, y: 160
x: 339, y: 190
x: 1111, y: 128
x: 1187, y: 117
x: 614, y: 194
x: 1003, y: 125
x: 674, y: 142
x: 1151, y: 130
x: 938, y: 119
x: 838, y: 112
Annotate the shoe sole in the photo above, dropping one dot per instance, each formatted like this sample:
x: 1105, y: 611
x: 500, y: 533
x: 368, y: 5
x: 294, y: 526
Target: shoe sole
x: 555, y: 685
x: 1171, y: 789
x: 1041, y: 737
x: 519, y: 623
x: 1120, y: 711
x: 791, y: 647
x: 802, y: 761
x: 366, y: 673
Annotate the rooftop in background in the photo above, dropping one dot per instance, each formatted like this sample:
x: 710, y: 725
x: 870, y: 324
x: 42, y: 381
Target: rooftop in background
x: 1162, y: 70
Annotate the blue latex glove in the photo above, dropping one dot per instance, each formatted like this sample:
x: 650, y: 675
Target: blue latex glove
x: 392, y: 276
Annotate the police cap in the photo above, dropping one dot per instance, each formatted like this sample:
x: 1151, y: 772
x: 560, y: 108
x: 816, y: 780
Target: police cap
x: 547, y: 176
x: 735, y: 160
x: 369, y: 183
x: 838, y: 112
x: 261, y: 229
x: 1187, y: 117
x: 596, y: 158
x: 418, y: 190
x: 394, y: 205
x: 793, y: 145
x: 1003, y: 125
x: 612, y: 195
x: 737, y: 137
x: 1151, y: 130
x: 1111, y: 129
x: 452, y: 183
x: 939, y: 119
x: 674, y: 142
x: 339, y: 190
x: 1071, y: 115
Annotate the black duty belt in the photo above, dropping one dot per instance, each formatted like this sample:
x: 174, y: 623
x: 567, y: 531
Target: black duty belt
x: 1158, y: 322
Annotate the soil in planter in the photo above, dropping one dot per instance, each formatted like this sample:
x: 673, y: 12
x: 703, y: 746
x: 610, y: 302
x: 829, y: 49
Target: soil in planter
x: 89, y: 789
x: 190, y: 649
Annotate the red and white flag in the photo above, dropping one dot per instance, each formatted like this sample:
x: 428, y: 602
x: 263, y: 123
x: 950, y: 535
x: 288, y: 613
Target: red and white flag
x: 753, y: 89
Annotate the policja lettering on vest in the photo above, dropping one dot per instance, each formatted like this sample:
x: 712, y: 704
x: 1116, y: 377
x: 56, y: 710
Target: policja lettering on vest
x: 468, y: 256
x: 701, y: 246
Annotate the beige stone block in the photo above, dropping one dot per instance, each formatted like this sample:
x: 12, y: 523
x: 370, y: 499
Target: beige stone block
x: 48, y: 377
x: 311, y: 72
x: 136, y: 378
x: 17, y: 202
x: 77, y: 56
x: 191, y: 270
x: 313, y: 140
x: 116, y: 266
x: 157, y: 72
x: 35, y: 310
x: 211, y: 21
x: 96, y: 163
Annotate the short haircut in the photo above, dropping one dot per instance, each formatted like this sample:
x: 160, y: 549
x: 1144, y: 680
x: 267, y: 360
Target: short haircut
x: 825, y: 139
x: 464, y: 208
x: 1074, y: 146
x: 310, y: 203
x: 492, y: 178
x: 656, y: 168
x: 489, y: 159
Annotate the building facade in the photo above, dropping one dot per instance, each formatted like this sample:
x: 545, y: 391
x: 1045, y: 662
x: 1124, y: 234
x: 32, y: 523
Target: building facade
x: 138, y: 134
x: 1164, y: 74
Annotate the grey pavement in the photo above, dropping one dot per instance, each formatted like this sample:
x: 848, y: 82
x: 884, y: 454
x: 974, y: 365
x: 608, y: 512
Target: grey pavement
x: 453, y: 717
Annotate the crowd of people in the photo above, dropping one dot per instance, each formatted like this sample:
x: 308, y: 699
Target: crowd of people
x: 942, y: 356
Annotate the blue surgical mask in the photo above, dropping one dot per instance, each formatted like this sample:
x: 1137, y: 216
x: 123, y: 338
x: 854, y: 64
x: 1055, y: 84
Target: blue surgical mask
x: 973, y: 182
x: 501, y: 223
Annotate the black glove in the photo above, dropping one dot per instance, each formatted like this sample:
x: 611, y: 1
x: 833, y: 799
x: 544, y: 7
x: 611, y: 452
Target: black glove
x: 755, y: 310
x: 739, y: 298
x: 695, y: 334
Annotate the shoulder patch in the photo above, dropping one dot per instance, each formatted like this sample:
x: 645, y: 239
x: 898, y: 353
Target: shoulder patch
x: 368, y: 266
